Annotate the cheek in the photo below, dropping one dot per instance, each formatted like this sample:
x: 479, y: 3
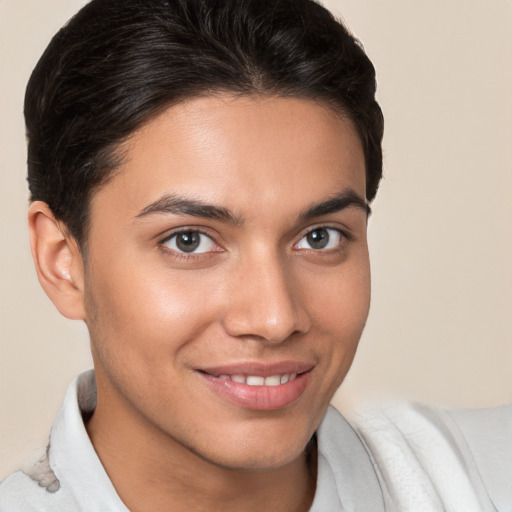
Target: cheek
x: 340, y: 313
x: 145, y: 313
x: 342, y: 298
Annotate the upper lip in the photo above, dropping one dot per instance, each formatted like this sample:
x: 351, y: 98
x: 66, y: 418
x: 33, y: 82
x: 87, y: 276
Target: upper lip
x: 258, y: 368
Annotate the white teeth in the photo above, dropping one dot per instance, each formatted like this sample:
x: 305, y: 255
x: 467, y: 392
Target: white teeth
x: 252, y: 380
x: 256, y: 380
x: 274, y: 380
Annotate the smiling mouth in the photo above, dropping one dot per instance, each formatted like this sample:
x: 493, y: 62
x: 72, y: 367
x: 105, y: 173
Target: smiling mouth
x: 263, y: 389
x: 258, y: 380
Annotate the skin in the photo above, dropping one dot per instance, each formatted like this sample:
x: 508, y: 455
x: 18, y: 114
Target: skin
x: 256, y: 291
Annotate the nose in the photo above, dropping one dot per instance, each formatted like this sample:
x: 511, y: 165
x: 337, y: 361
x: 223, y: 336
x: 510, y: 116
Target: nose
x: 265, y: 302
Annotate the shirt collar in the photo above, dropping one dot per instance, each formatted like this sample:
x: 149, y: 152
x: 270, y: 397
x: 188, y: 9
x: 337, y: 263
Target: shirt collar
x: 72, y: 456
x: 346, y: 478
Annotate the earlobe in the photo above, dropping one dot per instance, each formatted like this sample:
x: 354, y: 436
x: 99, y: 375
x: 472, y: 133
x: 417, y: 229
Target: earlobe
x: 58, y: 261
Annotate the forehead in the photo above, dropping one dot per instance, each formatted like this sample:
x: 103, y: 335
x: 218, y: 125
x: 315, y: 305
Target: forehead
x: 240, y: 152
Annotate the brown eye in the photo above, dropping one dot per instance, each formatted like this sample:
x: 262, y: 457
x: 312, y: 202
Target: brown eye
x: 320, y: 239
x: 190, y: 242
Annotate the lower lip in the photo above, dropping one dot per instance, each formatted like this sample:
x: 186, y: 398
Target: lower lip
x: 259, y: 398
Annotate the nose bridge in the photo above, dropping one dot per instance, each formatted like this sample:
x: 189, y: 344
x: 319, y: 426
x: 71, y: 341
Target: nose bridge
x: 265, y: 301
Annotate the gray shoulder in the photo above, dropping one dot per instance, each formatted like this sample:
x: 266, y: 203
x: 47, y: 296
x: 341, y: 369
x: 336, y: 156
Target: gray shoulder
x: 426, y: 459
x: 347, y: 479
x: 488, y: 434
x: 18, y: 493
x: 37, y: 492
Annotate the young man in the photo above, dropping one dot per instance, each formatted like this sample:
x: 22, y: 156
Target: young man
x: 200, y: 175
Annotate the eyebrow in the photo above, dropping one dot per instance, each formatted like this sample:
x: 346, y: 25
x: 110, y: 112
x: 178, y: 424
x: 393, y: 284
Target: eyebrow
x: 178, y: 205
x: 342, y: 200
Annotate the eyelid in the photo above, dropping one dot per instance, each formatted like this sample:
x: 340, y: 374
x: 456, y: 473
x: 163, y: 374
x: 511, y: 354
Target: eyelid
x: 188, y: 229
x: 345, y: 236
x: 345, y: 231
x: 183, y: 229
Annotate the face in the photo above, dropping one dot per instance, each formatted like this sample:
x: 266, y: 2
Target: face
x: 227, y: 279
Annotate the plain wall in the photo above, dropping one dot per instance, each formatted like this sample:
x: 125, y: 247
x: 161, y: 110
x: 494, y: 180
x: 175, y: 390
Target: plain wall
x: 440, y: 235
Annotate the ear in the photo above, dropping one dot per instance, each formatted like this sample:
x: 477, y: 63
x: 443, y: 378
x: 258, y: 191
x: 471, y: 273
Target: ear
x: 58, y: 261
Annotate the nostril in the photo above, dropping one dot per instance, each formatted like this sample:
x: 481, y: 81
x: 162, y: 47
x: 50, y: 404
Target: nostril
x: 266, y: 307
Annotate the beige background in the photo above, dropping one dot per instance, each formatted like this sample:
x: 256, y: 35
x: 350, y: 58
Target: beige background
x: 441, y: 237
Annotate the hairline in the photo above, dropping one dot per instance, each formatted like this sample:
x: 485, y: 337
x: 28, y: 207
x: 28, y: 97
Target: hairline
x: 117, y: 151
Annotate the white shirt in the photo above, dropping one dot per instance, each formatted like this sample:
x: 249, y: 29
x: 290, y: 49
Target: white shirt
x: 403, y: 459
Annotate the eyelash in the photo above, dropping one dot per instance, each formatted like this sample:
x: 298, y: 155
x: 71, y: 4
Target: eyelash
x: 344, y: 237
x: 182, y: 254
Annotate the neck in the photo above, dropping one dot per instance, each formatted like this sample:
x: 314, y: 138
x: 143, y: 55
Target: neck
x: 156, y: 473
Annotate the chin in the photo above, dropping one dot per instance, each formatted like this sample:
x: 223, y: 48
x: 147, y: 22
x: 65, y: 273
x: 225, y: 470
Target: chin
x: 255, y: 460
x: 255, y: 450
